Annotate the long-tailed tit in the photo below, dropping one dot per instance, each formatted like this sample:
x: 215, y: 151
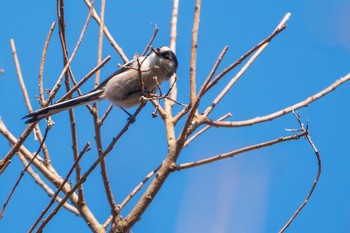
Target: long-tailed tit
x: 124, y: 87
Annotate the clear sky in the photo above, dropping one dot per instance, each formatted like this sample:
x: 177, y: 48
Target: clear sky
x: 254, y: 192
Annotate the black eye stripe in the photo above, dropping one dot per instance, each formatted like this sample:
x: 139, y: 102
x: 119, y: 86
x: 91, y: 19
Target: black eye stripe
x: 166, y: 55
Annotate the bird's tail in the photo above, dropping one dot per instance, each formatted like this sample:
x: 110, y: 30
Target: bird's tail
x: 59, y: 107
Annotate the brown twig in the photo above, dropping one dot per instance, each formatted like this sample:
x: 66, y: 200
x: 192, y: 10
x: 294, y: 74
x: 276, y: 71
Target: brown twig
x: 278, y: 30
x: 193, y: 59
x: 97, y: 125
x: 103, y: 118
x: 88, y: 172
x: 319, y: 170
x: 22, y: 174
x: 27, y: 101
x: 57, y: 85
x: 156, y: 29
x: 139, y: 186
x: 107, y: 33
x: 237, y: 152
x: 42, y: 62
x: 76, y: 162
x: 20, y: 77
x: 219, y: 97
x: 51, y: 175
x: 205, y: 129
x: 203, y: 87
x: 284, y: 111
x: 74, y: 135
x: 173, y: 35
x: 84, y: 79
x: 44, y: 186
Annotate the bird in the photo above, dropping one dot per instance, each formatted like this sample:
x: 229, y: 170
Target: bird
x: 124, y: 87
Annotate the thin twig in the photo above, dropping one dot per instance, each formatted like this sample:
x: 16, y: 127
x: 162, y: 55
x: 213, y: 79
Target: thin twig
x: 83, y: 80
x: 20, y: 77
x: 108, y: 35
x: 278, y: 30
x: 156, y: 29
x: 319, y: 170
x: 98, y: 136
x: 44, y: 186
x: 26, y: 99
x: 103, y: 118
x: 51, y: 175
x: 243, y: 69
x: 22, y: 174
x: 205, y: 129
x: 203, y: 87
x: 284, y: 111
x: 139, y: 186
x: 42, y: 62
x: 52, y: 201
x: 57, y: 85
x: 193, y: 59
x: 126, y: 127
x: 237, y: 152
x: 173, y: 35
x: 90, y: 170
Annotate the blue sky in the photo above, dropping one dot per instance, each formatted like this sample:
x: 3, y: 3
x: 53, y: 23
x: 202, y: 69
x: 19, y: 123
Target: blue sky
x: 254, y: 192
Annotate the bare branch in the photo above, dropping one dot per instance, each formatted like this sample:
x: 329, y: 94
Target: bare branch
x: 76, y: 162
x: 194, y: 46
x: 237, y: 152
x: 173, y: 35
x: 108, y: 35
x: 20, y: 77
x: 319, y: 170
x: 84, y: 79
x: 49, y: 173
x: 278, y: 30
x: 205, y: 129
x: 22, y: 174
x: 44, y: 186
x: 281, y: 26
x: 103, y: 118
x: 284, y: 111
x: 212, y: 72
x: 139, y: 186
x: 42, y: 63
x: 156, y: 29
x: 203, y: 88
x: 26, y: 99
x: 95, y: 225
x: 66, y: 67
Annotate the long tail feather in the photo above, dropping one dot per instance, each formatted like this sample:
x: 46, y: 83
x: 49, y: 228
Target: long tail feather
x: 59, y: 107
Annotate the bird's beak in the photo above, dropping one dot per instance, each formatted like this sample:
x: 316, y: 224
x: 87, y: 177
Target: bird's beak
x: 155, y: 50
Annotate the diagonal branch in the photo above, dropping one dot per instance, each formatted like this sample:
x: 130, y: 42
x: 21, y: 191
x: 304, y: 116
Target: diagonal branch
x: 76, y: 162
x: 219, y: 97
x: 108, y: 34
x: 237, y: 152
x: 205, y: 129
x: 284, y: 111
x: 278, y: 30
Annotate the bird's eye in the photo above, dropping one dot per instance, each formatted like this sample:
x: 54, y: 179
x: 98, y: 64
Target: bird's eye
x: 166, y: 55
